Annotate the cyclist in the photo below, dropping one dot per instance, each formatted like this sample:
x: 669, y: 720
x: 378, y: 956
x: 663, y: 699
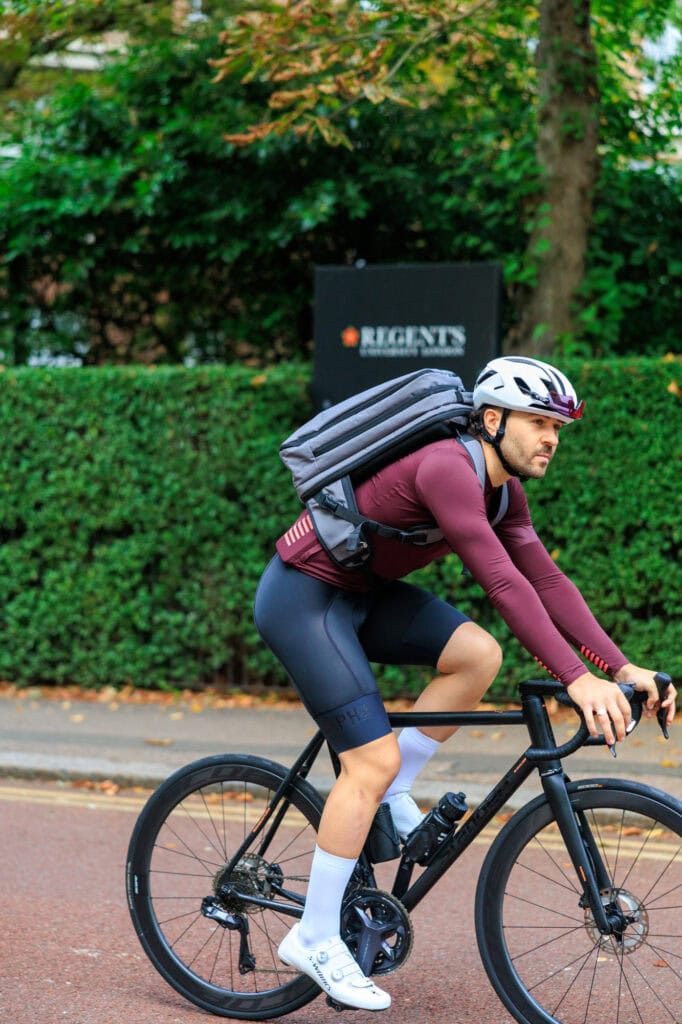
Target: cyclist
x: 326, y: 624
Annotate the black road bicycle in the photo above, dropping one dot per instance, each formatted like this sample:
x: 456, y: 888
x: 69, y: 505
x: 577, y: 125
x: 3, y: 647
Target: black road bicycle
x: 578, y: 905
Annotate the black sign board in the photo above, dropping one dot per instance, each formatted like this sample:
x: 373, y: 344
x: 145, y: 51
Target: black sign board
x: 380, y: 321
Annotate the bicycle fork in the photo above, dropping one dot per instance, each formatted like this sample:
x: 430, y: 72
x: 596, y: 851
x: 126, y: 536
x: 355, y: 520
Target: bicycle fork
x: 575, y: 831
x: 582, y: 849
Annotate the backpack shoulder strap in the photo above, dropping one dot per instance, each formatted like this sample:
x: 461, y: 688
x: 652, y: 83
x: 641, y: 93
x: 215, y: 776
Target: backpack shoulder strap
x: 346, y: 508
x: 474, y: 450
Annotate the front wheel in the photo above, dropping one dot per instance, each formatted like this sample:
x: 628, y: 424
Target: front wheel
x: 540, y: 945
x: 178, y: 884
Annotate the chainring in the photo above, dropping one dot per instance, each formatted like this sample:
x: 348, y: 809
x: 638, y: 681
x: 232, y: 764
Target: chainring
x: 377, y: 929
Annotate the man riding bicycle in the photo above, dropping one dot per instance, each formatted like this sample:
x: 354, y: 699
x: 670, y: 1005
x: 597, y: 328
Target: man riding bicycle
x: 326, y: 624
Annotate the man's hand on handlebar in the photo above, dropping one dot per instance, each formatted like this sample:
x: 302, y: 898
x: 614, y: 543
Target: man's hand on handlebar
x: 660, y: 700
x: 606, y: 709
x: 604, y: 706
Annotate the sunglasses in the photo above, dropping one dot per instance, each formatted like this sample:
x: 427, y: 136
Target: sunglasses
x: 561, y: 404
x: 566, y: 406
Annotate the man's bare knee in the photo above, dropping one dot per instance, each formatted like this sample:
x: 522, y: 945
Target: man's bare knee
x: 489, y: 655
x: 374, y: 764
x: 471, y: 650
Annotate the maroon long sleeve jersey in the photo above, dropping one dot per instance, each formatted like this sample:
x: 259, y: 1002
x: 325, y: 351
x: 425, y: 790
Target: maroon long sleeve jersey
x: 541, y: 606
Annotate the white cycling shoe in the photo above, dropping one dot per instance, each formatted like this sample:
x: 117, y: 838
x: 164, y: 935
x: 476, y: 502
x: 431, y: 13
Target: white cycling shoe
x: 405, y: 813
x: 331, y: 965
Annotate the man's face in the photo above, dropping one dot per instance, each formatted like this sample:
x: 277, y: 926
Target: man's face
x: 529, y: 442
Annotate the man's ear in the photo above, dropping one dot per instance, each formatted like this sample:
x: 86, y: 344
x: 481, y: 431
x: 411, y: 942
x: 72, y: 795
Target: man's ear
x: 491, y: 421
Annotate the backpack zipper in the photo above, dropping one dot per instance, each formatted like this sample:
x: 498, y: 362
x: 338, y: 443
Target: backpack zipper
x: 329, y: 446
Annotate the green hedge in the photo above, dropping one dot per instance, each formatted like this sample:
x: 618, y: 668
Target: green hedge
x: 139, y: 506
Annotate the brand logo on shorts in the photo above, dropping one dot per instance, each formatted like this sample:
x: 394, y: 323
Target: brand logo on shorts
x: 351, y: 717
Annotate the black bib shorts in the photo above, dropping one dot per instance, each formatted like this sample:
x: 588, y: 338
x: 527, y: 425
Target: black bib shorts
x: 326, y: 638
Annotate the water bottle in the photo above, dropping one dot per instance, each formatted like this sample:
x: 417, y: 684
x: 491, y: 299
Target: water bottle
x: 424, y: 840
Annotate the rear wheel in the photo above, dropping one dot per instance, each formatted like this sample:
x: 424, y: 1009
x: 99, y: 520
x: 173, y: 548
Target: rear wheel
x: 540, y: 945
x: 216, y: 949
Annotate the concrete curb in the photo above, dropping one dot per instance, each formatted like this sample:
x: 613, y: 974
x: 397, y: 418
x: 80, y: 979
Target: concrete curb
x: 148, y: 775
x: 141, y: 745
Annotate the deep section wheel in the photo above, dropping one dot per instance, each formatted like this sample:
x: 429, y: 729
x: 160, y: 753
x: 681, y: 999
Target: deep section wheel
x: 200, y: 924
x: 540, y: 944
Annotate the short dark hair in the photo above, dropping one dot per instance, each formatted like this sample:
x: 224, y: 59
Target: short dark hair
x: 475, y: 423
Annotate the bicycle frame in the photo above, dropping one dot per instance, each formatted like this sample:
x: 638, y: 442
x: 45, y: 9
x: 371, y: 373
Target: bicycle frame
x: 543, y: 754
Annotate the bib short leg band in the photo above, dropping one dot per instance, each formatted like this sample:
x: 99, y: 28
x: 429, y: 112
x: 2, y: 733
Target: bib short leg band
x: 326, y: 638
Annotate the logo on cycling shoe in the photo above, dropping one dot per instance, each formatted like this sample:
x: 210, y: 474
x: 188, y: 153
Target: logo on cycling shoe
x: 320, y: 976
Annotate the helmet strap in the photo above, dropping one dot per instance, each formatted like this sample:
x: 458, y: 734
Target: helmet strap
x: 496, y: 443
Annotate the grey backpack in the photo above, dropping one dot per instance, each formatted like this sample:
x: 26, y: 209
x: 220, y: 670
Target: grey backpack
x: 352, y: 440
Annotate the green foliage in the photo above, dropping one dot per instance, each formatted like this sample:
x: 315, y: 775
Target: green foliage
x: 617, y: 533
x: 130, y: 231
x: 138, y: 508
x: 166, y: 244
x: 32, y: 29
x: 326, y: 58
x: 634, y: 277
x: 144, y: 218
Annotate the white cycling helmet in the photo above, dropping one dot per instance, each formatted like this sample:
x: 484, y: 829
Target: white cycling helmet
x: 528, y: 385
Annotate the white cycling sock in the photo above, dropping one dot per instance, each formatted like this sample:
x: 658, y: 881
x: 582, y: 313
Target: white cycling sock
x: 329, y: 876
x: 416, y: 750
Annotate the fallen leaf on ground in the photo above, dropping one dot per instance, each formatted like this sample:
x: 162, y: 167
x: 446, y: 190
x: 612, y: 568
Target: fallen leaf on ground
x: 98, y: 785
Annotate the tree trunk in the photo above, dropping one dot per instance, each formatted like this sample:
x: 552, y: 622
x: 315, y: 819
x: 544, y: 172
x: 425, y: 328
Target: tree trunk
x: 568, y: 132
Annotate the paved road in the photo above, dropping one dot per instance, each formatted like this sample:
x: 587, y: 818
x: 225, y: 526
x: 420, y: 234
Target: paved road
x: 68, y: 952
x: 69, y: 955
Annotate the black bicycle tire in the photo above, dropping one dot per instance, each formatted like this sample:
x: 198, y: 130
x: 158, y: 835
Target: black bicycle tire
x: 228, y: 768
x: 517, y: 834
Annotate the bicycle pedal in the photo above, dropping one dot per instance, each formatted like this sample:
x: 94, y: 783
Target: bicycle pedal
x: 339, y: 1006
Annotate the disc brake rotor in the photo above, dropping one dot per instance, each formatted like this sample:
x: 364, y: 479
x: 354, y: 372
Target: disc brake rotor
x: 634, y: 917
